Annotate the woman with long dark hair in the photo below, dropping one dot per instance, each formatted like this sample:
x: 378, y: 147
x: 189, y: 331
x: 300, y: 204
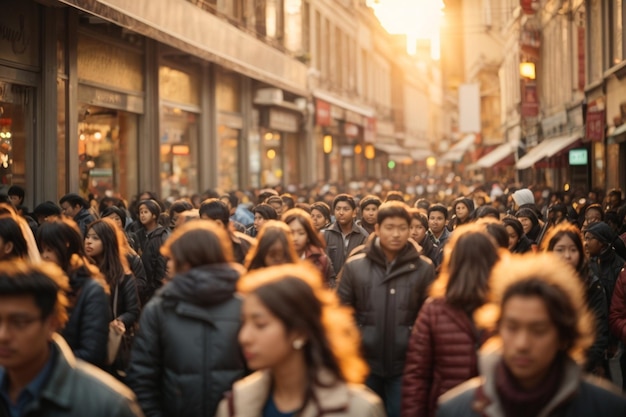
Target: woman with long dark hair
x: 155, y: 235
x: 308, y: 243
x: 304, y: 347
x: 12, y: 242
x: 103, y: 244
x: 566, y: 241
x: 273, y: 246
x: 442, y: 350
x: 518, y: 242
x: 320, y: 214
x: 87, y: 330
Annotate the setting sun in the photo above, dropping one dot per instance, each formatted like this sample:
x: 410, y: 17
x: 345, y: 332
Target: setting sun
x: 418, y: 19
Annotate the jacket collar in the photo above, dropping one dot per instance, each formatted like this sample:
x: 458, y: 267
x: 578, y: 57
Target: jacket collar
x: 488, y: 403
x: 251, y: 394
x: 355, y: 229
x: 59, y: 388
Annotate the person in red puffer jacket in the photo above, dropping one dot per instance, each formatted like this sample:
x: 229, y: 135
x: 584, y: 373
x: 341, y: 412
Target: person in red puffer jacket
x: 444, y: 340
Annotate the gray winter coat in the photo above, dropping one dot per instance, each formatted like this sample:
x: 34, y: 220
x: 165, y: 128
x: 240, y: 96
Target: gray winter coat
x: 186, y: 355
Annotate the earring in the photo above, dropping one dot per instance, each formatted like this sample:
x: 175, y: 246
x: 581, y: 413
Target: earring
x: 297, y: 344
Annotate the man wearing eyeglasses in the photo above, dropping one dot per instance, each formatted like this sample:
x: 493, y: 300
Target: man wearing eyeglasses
x: 39, y: 375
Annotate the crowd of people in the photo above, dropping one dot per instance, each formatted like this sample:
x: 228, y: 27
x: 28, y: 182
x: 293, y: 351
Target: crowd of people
x: 496, y: 302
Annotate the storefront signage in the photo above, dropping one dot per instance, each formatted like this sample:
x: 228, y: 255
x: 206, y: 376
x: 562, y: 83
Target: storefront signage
x: 578, y: 157
x: 594, y: 124
x: 351, y: 130
x: 283, y: 121
x: 110, y: 99
x: 322, y: 113
x: 232, y: 120
x: 19, y: 24
x: 530, y: 100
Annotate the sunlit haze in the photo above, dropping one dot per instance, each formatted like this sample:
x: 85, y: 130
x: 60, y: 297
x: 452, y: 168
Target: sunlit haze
x: 418, y: 19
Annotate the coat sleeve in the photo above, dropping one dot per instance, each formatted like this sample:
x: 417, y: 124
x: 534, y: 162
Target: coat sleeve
x: 141, y: 281
x: 146, y: 362
x: 345, y: 289
x: 418, y: 368
x: 597, y: 304
x: 128, y: 306
x: 617, y: 313
x: 94, y: 325
x: 329, y: 274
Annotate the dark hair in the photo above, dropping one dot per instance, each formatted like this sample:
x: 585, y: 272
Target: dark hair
x: 498, y: 232
x: 467, y: 262
x: 295, y: 295
x: 44, y: 281
x: 613, y: 192
x: 596, y: 207
x: 322, y: 208
x: 529, y: 214
x: 10, y: 231
x: 106, y: 202
x: 232, y: 198
x: 418, y: 215
x: 178, y: 207
x: 565, y: 229
x: 63, y: 237
x: 514, y: 224
x: 303, y: 206
x: 422, y: 203
x: 112, y: 264
x: 394, y: 196
x: 74, y: 200
x: 288, y: 201
x: 198, y: 242
x: 440, y: 208
x: 304, y: 218
x: 486, y: 211
x: 152, y: 206
x: 346, y: 198
x: 109, y: 211
x: 369, y: 199
x: 393, y: 209
x: 272, y: 231
x: 265, y: 194
x: 215, y: 209
x: 266, y: 211
x: 17, y: 191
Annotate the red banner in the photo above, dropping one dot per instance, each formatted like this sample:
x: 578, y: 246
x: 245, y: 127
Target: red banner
x: 581, y: 59
x: 529, y: 6
x: 322, y: 113
x: 530, y: 100
x: 594, y: 125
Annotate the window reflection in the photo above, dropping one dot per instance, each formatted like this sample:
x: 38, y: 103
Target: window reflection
x: 179, y: 136
x: 15, y: 108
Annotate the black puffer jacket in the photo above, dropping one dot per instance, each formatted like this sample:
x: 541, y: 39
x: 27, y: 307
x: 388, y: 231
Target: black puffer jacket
x: 136, y: 267
x: 154, y: 263
x: 87, y: 329
x: 127, y: 308
x: 185, y: 355
x: 386, y: 299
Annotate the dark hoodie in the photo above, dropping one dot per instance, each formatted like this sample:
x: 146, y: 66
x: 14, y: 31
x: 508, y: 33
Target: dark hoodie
x: 187, y: 344
x: 455, y: 221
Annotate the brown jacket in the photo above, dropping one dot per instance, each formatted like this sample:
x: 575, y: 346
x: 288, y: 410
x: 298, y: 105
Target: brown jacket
x: 250, y: 394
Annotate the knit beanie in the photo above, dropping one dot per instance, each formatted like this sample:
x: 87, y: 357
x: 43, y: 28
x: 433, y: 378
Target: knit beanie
x: 523, y: 196
x: 602, y: 232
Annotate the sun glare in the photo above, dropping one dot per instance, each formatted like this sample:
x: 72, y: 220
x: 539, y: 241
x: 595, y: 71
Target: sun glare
x: 418, y: 19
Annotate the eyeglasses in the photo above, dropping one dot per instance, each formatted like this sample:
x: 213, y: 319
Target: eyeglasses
x: 18, y: 323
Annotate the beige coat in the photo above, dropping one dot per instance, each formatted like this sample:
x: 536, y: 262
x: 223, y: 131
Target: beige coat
x: 250, y: 394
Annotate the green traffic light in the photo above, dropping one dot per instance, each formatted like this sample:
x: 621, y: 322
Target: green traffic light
x: 391, y: 164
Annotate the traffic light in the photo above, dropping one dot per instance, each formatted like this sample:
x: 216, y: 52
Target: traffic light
x: 391, y: 164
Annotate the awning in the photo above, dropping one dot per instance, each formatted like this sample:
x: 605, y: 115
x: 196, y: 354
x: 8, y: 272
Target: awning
x: 395, y: 152
x: 495, y: 156
x: 420, y: 154
x: 362, y: 110
x: 546, y: 149
x: 618, y: 131
x: 456, y: 152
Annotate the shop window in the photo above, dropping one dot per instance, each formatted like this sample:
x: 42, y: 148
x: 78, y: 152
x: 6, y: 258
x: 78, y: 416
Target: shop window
x: 178, y: 139
x: 271, y: 158
x: 107, y: 151
x: 228, y: 149
x: 15, y: 124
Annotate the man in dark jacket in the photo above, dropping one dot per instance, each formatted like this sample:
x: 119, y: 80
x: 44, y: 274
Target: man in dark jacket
x: 344, y: 234
x: 39, y: 375
x: 386, y: 285
x: 216, y: 210
x: 542, y: 323
x: 604, y: 262
x: 75, y: 207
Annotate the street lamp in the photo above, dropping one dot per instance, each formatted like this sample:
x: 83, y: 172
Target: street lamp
x: 527, y: 70
x: 328, y: 144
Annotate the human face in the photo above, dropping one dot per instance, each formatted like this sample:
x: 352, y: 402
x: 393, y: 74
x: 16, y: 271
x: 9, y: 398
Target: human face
x: 116, y: 219
x: 47, y: 254
x: 393, y: 234
x: 369, y: 213
x: 319, y: 221
x: 300, y: 237
x: 15, y: 200
x: 530, y: 340
x: 436, y: 222
x: 24, y: 334
x: 146, y: 217
x: 344, y: 213
x: 259, y: 221
x: 527, y: 224
x: 461, y: 211
x: 93, y: 244
x: 513, y: 237
x: 69, y: 210
x: 275, y: 254
x: 263, y: 337
x: 592, y: 245
x: 418, y: 231
x: 567, y: 250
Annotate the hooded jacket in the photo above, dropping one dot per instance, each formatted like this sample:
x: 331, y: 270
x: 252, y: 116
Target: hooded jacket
x: 386, y: 298
x: 185, y: 355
